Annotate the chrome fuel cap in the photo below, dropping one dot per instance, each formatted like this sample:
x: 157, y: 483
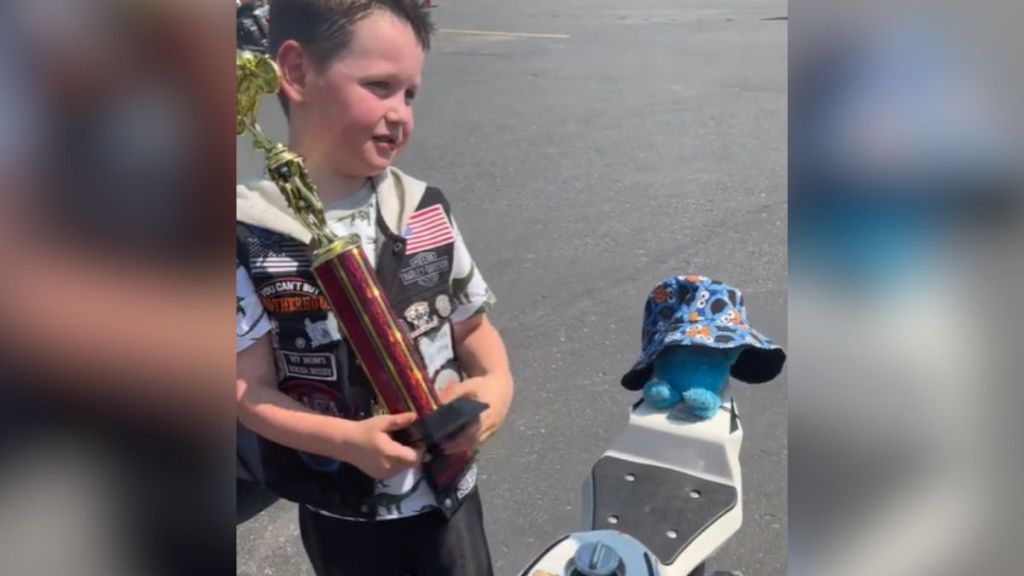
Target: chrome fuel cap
x: 597, y: 559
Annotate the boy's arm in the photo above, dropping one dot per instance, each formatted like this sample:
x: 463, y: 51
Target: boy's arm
x: 275, y: 416
x: 481, y: 353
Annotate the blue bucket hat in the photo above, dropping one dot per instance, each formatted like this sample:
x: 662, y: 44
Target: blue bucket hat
x: 698, y: 311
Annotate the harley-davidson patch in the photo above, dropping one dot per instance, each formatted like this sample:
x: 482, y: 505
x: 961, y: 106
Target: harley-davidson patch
x: 425, y: 269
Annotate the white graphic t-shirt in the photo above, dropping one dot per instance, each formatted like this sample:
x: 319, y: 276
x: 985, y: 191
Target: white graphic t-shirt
x: 251, y: 320
x: 407, y: 493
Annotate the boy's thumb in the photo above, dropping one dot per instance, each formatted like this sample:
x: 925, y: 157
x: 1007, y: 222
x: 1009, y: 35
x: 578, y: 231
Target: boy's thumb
x: 399, y: 421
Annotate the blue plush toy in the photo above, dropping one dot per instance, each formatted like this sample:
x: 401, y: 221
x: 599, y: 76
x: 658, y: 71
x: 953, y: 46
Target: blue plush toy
x: 694, y: 375
x: 695, y: 336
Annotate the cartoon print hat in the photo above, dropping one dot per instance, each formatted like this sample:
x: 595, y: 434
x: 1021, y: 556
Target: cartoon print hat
x: 698, y: 311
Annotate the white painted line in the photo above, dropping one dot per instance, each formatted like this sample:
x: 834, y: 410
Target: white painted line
x: 497, y: 33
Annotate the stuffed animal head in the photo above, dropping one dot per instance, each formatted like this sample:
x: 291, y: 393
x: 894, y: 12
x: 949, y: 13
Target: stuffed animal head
x: 695, y: 375
x: 695, y: 336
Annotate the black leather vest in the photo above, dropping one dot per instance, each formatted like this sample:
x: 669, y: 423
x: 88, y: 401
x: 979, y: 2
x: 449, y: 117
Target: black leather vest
x: 317, y: 368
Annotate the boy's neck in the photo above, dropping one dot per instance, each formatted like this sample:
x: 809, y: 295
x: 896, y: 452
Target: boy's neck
x: 330, y: 186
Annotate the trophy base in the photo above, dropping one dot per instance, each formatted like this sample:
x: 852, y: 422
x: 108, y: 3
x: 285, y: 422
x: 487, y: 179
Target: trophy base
x: 447, y: 421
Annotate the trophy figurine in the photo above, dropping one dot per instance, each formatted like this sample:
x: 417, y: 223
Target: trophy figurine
x: 381, y: 343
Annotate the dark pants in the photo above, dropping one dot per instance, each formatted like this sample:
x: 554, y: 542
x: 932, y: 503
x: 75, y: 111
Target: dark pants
x: 422, y: 545
x: 250, y: 500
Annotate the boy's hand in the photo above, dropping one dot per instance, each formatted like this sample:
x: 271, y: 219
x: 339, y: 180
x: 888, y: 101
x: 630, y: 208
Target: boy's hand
x: 372, y: 449
x: 489, y: 422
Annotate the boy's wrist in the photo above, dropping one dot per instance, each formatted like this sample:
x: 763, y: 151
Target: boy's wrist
x: 343, y: 439
x: 494, y: 393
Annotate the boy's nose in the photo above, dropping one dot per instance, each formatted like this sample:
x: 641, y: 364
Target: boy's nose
x: 400, y: 113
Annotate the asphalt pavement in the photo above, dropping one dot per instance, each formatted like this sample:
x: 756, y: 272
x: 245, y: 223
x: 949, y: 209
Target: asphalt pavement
x: 591, y: 148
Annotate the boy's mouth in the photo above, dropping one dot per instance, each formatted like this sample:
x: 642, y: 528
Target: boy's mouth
x: 386, y: 140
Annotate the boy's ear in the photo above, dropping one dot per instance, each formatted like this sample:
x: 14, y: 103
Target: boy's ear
x: 294, y: 64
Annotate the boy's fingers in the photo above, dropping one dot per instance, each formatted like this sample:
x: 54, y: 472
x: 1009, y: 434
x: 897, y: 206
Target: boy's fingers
x: 402, y: 454
x: 399, y: 421
x: 408, y: 456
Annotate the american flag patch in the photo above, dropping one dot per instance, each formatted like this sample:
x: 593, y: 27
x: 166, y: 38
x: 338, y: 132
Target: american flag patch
x: 426, y: 229
x: 275, y: 256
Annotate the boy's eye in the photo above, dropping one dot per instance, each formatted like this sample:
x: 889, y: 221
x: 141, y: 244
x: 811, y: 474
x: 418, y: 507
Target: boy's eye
x: 410, y: 95
x: 379, y: 87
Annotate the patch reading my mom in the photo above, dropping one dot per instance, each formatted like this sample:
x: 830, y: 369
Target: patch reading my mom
x: 425, y: 269
x: 312, y: 366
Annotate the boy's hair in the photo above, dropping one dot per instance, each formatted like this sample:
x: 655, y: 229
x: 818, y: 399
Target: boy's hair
x: 324, y: 27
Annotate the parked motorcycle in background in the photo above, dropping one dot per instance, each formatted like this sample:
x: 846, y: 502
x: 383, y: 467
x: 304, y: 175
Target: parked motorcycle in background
x: 661, y: 501
x: 252, y: 19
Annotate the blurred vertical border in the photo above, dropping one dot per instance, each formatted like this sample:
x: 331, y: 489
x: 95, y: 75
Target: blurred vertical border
x: 905, y: 229
x: 116, y: 233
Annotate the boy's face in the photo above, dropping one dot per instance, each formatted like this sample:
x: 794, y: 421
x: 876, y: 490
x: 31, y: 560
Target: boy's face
x: 360, y: 106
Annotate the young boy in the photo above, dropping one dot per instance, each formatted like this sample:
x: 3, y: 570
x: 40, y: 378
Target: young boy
x: 350, y: 71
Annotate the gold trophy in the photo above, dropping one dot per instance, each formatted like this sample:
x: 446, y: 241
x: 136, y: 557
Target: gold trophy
x: 381, y: 343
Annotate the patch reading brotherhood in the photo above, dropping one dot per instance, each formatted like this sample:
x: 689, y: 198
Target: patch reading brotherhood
x: 290, y: 295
